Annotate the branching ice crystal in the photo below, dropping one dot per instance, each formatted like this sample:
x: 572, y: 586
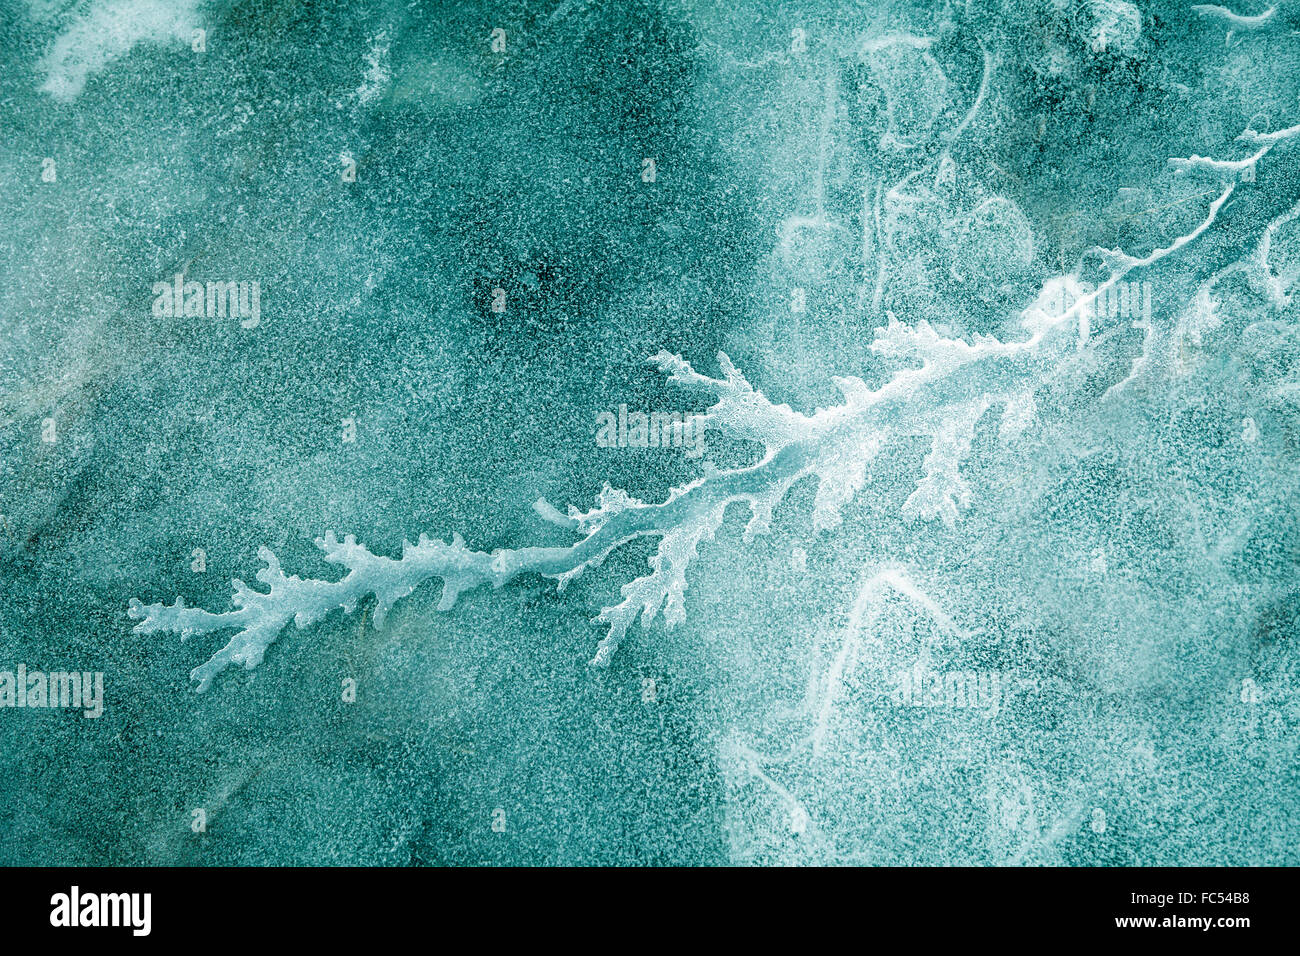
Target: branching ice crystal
x: 939, y: 389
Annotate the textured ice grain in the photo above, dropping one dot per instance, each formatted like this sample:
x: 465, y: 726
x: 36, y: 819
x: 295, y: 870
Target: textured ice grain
x: 987, y: 315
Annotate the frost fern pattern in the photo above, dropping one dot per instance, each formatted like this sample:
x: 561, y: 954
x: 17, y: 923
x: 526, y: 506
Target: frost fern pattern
x: 938, y: 390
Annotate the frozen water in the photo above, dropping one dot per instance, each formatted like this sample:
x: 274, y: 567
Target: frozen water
x: 410, y: 315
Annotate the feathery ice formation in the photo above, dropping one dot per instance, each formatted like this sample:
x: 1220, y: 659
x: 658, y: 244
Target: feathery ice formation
x: 939, y: 390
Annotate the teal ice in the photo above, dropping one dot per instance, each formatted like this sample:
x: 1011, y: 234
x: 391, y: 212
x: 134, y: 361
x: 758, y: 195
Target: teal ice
x: 655, y: 432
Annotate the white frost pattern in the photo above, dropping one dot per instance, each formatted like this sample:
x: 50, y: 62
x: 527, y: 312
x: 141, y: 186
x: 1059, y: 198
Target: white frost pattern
x: 110, y: 30
x: 938, y: 390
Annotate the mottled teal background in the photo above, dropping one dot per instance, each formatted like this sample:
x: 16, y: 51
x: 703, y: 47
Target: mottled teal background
x: 522, y: 171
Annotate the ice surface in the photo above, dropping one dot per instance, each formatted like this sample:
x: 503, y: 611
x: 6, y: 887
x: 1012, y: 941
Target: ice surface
x: 988, y: 311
